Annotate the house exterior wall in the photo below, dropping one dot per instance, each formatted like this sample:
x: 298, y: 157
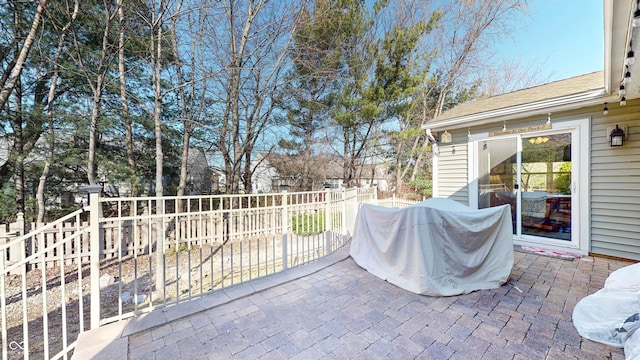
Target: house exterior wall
x: 615, y: 184
x: 614, y: 180
x: 263, y: 177
x: 452, y: 172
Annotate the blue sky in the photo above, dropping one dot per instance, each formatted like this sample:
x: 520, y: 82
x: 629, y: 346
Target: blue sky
x: 565, y: 35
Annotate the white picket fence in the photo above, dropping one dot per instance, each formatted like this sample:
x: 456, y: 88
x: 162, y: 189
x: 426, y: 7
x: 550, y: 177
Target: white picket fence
x: 395, y: 202
x: 101, y: 264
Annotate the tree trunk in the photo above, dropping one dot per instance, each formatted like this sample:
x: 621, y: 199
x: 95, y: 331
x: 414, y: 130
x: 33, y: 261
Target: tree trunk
x: 124, y: 100
x: 98, y: 89
x: 50, y: 97
x: 184, y: 111
x: 238, y: 47
x: 247, y: 173
x: 306, y: 154
x: 19, y: 144
x: 8, y: 86
x: 157, y: 24
x: 93, y: 129
x: 345, y: 159
x: 156, y: 77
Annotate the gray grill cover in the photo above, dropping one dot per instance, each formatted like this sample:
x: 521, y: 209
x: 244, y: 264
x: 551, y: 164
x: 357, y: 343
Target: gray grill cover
x: 438, y: 247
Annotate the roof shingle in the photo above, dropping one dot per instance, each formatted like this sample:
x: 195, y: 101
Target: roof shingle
x: 556, y: 89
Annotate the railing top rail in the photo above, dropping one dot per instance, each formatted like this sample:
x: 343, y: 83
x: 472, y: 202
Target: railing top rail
x: 43, y: 228
x: 43, y: 251
x: 183, y: 197
x: 218, y: 196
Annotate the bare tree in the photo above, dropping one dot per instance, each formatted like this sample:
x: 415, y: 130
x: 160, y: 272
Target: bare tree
x: 157, y: 63
x: 238, y: 51
x: 265, y: 79
x: 511, y: 76
x: 156, y: 25
x: 191, y: 87
x: 185, y: 109
x: 249, y: 40
x: 459, y: 61
x: 467, y: 29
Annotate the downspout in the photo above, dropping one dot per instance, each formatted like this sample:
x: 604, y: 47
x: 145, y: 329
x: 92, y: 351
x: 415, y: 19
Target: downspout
x: 434, y: 162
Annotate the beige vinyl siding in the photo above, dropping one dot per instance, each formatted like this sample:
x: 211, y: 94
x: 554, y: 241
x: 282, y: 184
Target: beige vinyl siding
x: 453, y: 171
x: 615, y: 185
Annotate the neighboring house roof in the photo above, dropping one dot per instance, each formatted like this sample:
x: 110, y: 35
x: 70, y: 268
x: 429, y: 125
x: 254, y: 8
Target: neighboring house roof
x: 554, y: 96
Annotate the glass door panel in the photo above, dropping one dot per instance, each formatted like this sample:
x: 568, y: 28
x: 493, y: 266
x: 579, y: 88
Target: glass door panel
x: 497, y: 174
x: 546, y: 186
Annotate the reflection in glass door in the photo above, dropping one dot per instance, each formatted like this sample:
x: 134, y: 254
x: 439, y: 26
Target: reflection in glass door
x: 542, y: 178
x: 546, y: 186
x: 497, y: 176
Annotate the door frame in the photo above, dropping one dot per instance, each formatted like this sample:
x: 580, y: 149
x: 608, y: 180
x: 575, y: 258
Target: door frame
x: 580, y: 130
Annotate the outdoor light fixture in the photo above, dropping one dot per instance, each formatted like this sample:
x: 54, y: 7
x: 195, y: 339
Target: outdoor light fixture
x: 623, y: 101
x: 538, y: 140
x: 616, y: 138
x: 445, y: 137
x: 605, y: 111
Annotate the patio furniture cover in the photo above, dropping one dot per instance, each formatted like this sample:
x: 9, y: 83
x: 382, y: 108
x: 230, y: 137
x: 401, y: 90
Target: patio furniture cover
x: 611, y: 315
x: 438, y: 247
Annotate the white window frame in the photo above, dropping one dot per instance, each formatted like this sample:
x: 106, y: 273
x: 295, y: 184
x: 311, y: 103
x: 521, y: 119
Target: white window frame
x: 581, y: 209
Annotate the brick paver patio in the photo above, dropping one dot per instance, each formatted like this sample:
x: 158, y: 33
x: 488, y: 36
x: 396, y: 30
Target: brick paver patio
x: 343, y: 312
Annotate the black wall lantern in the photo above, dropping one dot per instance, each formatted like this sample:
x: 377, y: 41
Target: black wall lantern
x: 616, y: 137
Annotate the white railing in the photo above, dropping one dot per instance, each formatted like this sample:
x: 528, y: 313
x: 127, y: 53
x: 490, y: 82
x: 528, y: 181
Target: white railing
x: 395, y: 202
x: 100, y: 264
x: 39, y: 313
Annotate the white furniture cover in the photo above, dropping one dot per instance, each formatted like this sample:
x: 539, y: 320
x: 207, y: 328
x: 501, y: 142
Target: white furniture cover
x: 438, y: 247
x: 612, y: 314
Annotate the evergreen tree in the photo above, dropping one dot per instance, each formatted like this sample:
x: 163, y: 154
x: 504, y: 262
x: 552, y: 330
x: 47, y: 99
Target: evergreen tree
x: 325, y: 35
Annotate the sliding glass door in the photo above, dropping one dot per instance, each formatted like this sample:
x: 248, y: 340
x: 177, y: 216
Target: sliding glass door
x: 533, y: 174
x: 546, y: 186
x: 497, y: 175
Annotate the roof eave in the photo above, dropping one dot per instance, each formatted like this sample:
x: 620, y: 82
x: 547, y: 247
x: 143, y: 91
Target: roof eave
x: 618, y: 34
x: 608, y: 11
x: 565, y: 103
